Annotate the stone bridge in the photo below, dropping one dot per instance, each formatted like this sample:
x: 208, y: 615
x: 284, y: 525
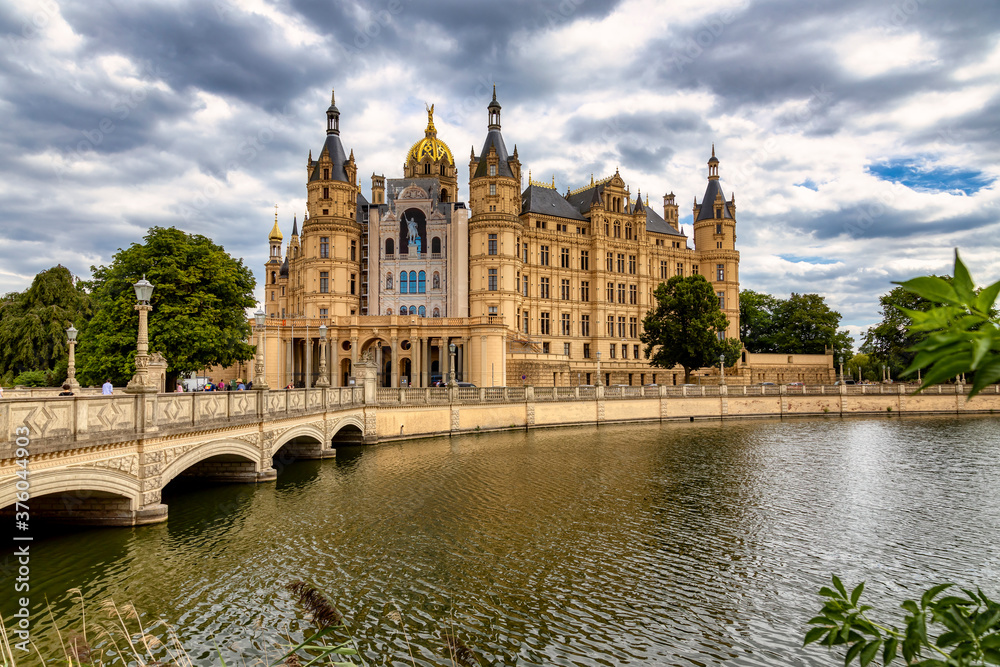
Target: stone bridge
x: 105, y: 460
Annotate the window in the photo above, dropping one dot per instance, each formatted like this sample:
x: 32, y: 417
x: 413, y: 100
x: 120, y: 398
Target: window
x: 493, y: 280
x: 354, y: 251
x: 353, y: 282
x: 585, y: 325
x: 524, y: 327
x: 621, y: 326
x: 586, y: 355
x: 631, y: 264
x: 402, y: 283
x: 493, y: 170
x: 324, y: 247
x: 436, y: 245
x: 326, y: 193
x: 413, y: 310
x: 274, y: 277
x: 525, y: 250
x: 633, y: 294
x: 611, y: 326
x: 611, y: 262
x: 680, y: 269
x: 324, y: 281
x: 633, y: 327
x: 492, y: 243
x: 282, y: 290
x: 606, y: 229
x: 613, y: 348
x: 618, y: 229
x: 694, y: 269
x: 390, y: 248
x: 663, y: 270
x: 585, y: 290
x: 524, y: 285
x: 272, y: 295
x: 718, y: 244
x: 323, y: 312
x: 621, y: 292
x: 492, y: 310
x: 564, y: 323
x: 421, y: 283
x: 628, y: 231
x: 437, y: 313
x: 493, y: 189
x: 543, y: 288
x: 584, y: 260
x: 718, y: 229
x: 422, y: 311
x: 722, y: 299
x: 388, y: 281
x: 720, y: 272
x: 718, y: 213
x: 564, y: 289
x: 543, y: 255
x: 564, y: 258
x: 436, y: 282
x: 544, y: 324
x: 427, y: 170
x: 611, y: 292
x: 621, y: 262
x: 566, y: 349
x: 635, y: 354
x: 624, y: 351
x: 326, y: 174
x: 545, y: 348
x: 413, y: 282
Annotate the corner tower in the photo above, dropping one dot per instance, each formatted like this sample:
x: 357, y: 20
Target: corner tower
x: 494, y: 228
x: 715, y: 243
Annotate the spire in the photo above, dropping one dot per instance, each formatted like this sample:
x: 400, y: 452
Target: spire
x: 305, y: 215
x: 713, y: 165
x: 494, y: 111
x: 430, y: 131
x: 295, y: 226
x: 332, y: 117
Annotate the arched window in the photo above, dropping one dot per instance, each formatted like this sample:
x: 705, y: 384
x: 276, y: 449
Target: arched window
x: 436, y: 245
x: 390, y: 248
x: 274, y: 277
x: 444, y: 191
x: 427, y: 168
x: 421, y: 311
x: 388, y: 311
x: 437, y: 281
x: 628, y: 230
x: 437, y: 313
x: 413, y: 282
x: 413, y: 310
x: 618, y: 229
x: 388, y: 281
x: 421, y: 283
x: 442, y: 170
x: 402, y: 310
x: 402, y: 282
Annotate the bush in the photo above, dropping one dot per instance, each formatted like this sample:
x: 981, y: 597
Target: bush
x: 33, y: 379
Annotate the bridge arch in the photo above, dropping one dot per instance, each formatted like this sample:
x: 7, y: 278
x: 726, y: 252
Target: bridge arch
x: 223, y: 460
x: 350, y: 431
x: 74, y: 480
x: 304, y: 431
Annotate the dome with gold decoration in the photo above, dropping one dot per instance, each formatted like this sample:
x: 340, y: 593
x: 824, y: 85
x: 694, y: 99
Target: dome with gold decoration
x: 430, y: 148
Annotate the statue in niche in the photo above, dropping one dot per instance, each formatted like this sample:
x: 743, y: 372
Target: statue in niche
x: 411, y: 228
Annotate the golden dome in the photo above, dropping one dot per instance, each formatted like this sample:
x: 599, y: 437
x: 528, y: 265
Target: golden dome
x: 430, y: 147
x: 275, y: 234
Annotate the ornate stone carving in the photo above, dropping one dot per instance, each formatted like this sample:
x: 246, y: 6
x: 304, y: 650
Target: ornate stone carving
x: 126, y: 464
x: 600, y: 411
x: 531, y: 415
x: 455, y: 423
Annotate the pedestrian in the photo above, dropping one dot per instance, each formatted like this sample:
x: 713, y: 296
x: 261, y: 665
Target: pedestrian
x: 241, y: 386
x: 249, y: 386
x: 65, y: 391
x: 209, y: 386
x: 1, y: 392
x: 107, y: 389
x: 180, y: 387
x: 222, y: 386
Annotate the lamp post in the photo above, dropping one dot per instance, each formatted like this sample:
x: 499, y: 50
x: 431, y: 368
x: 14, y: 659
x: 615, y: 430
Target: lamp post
x: 722, y: 369
x: 259, y: 381
x: 452, y: 351
x: 140, y: 383
x: 599, y: 382
x: 841, y: 360
x: 74, y: 386
x: 322, y: 381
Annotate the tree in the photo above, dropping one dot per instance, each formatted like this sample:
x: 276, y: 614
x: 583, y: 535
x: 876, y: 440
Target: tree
x: 889, y: 341
x: 33, y: 324
x: 682, y: 328
x: 199, y: 307
x: 804, y: 324
x: 757, y: 321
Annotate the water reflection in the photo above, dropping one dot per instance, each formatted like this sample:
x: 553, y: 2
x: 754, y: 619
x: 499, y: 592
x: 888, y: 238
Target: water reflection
x: 669, y: 544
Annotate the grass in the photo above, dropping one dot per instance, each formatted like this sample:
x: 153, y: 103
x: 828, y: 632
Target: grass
x: 120, y: 638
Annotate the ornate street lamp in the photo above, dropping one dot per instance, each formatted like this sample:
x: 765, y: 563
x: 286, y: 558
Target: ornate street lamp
x: 140, y: 382
x: 322, y: 381
x: 74, y: 386
x: 259, y: 381
x: 841, y: 369
x: 722, y: 369
x: 599, y: 382
x: 452, y: 351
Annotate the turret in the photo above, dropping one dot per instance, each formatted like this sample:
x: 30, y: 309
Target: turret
x: 378, y: 189
x: 670, y: 211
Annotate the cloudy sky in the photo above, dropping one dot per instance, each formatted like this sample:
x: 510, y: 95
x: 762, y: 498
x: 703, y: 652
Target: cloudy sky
x: 861, y: 137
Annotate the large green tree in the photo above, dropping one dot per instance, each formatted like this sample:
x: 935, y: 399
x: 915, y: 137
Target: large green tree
x: 804, y: 324
x: 200, y: 298
x: 682, y: 328
x: 33, y: 324
x: 757, y: 321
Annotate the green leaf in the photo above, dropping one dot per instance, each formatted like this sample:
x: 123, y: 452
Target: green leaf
x: 853, y: 652
x: 987, y: 297
x: 933, y: 289
x: 827, y: 592
x: 889, y: 654
x: 869, y: 652
x: 964, y: 287
x: 856, y: 593
x: 992, y: 656
x: 986, y: 374
x: 814, y: 635
x: 840, y: 586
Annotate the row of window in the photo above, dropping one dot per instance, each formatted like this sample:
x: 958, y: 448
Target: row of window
x: 324, y: 248
x: 390, y: 246
x: 324, y: 282
x: 565, y: 326
x: 420, y: 311
x: 413, y: 283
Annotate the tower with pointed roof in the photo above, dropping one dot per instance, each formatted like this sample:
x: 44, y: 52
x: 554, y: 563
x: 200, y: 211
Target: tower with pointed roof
x: 715, y: 240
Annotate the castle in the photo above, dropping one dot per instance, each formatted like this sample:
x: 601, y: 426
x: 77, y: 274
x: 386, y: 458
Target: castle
x: 525, y: 285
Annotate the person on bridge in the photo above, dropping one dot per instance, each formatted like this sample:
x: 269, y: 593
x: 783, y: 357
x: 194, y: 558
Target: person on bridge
x: 65, y: 391
x: 107, y: 389
x: 209, y: 386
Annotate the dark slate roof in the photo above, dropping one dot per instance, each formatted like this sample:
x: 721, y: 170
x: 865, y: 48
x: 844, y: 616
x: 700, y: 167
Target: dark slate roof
x: 283, y: 271
x: 639, y: 206
x: 295, y: 225
x: 707, y: 209
x: 654, y: 223
x: 583, y: 199
x: 337, y: 156
x: 361, y: 206
x: 546, y: 201
x: 494, y: 138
